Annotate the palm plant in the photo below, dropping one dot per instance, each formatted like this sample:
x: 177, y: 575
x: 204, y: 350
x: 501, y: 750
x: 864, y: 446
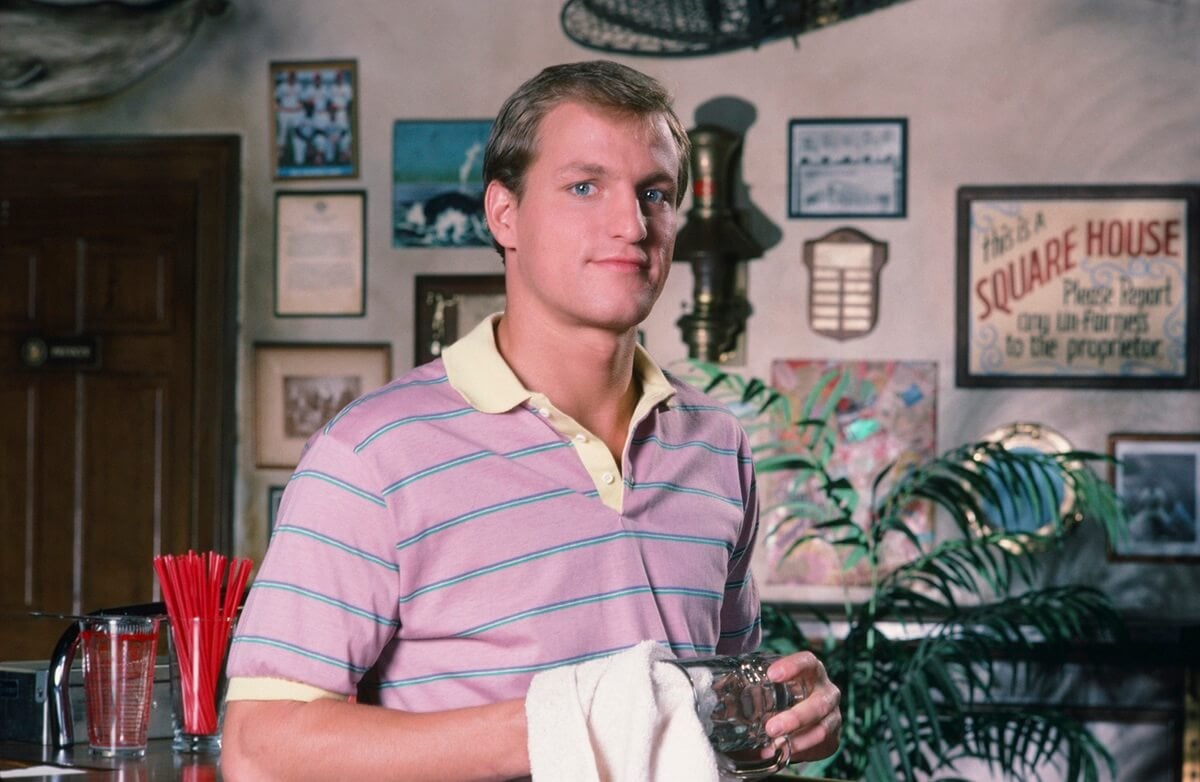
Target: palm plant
x: 914, y: 707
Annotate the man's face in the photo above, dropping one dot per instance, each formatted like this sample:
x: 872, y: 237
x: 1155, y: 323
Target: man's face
x: 590, y: 239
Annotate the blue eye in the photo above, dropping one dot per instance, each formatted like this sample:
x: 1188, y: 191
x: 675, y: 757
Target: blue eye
x: 654, y: 196
x: 583, y: 188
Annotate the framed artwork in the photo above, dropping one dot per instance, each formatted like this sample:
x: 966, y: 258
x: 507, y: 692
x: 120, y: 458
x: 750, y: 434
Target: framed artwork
x: 299, y: 387
x: 1157, y: 478
x: 437, y: 171
x: 274, y: 496
x: 320, y: 253
x: 314, y: 107
x: 848, y: 167
x: 885, y: 415
x: 448, y: 306
x: 1078, y: 286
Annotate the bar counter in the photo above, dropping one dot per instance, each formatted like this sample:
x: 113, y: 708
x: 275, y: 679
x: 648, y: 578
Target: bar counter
x: 160, y: 763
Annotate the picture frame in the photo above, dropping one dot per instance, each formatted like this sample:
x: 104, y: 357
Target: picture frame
x: 274, y: 497
x: 850, y: 167
x: 889, y: 417
x: 298, y: 387
x: 437, y: 174
x: 1157, y: 478
x: 320, y: 253
x: 1049, y: 500
x: 314, y: 119
x: 1078, y: 286
x: 447, y: 306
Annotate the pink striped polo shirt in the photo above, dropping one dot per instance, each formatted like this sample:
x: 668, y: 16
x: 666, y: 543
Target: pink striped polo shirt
x: 458, y: 533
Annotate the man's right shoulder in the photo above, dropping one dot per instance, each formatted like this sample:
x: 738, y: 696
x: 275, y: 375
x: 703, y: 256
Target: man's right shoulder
x: 423, y: 390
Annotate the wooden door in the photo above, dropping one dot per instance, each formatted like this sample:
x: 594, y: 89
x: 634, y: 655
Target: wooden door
x: 116, y: 371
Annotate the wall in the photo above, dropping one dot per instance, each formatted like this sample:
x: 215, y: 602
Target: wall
x: 1037, y: 91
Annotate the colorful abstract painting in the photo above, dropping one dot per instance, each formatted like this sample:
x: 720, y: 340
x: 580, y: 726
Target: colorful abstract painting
x: 885, y: 413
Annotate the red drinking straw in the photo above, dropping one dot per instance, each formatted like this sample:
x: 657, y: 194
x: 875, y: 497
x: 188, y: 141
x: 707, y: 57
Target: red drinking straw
x: 192, y: 589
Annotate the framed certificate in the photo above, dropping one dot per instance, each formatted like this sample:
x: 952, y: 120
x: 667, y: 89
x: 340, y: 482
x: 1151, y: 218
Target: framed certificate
x: 320, y: 256
x: 847, y: 167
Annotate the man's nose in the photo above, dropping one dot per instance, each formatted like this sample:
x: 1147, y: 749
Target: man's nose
x: 626, y: 218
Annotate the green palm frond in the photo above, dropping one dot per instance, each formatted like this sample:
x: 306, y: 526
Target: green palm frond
x: 916, y: 704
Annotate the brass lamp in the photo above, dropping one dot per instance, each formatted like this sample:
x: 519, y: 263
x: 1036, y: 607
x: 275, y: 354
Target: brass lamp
x: 714, y: 242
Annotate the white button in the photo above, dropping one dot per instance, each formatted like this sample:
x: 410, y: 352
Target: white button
x: 544, y: 412
x: 607, y: 477
x: 581, y: 438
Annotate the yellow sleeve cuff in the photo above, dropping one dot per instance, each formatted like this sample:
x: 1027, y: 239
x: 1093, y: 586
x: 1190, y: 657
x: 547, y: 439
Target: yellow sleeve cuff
x: 265, y: 688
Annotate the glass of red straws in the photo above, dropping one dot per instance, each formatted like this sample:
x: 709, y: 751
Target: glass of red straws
x: 202, y: 593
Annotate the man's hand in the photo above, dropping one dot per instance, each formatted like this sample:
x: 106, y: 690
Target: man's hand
x: 814, y: 725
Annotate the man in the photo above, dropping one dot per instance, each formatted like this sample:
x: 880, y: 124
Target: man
x: 289, y: 114
x: 540, y: 496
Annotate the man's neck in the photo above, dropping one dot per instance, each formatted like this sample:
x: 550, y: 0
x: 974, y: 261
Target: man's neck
x: 586, y: 373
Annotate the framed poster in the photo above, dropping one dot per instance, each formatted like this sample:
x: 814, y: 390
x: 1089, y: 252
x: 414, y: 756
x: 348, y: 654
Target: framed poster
x: 1086, y: 286
x: 1157, y: 478
x: 450, y: 305
x: 298, y: 388
x: 847, y: 167
x: 320, y: 253
x: 314, y: 108
x: 437, y: 170
x: 885, y: 413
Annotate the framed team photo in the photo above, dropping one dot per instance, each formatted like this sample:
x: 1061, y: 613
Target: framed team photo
x: 314, y: 110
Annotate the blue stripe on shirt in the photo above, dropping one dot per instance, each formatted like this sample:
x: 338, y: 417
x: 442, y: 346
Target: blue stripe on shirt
x: 412, y: 419
x: 572, y: 546
x: 586, y: 600
x: 338, y: 482
x: 292, y: 529
x: 381, y: 392
x: 309, y: 653
x: 485, y: 511
x: 317, y: 596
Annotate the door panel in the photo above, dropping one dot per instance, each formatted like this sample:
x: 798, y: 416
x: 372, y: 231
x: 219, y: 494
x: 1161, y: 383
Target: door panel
x: 107, y: 458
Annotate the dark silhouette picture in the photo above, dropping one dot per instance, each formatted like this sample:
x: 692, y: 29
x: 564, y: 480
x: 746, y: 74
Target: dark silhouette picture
x: 1157, y: 483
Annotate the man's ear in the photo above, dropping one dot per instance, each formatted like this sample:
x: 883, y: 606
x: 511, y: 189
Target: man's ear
x: 500, y: 207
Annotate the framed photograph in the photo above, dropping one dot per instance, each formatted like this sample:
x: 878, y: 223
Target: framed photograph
x: 299, y: 387
x: 437, y: 172
x: 314, y: 106
x: 274, y: 496
x: 448, y: 306
x: 320, y: 253
x: 848, y: 167
x: 1078, y: 286
x: 885, y: 414
x: 1157, y: 478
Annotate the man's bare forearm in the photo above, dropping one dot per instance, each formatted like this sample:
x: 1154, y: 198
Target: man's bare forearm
x: 336, y: 740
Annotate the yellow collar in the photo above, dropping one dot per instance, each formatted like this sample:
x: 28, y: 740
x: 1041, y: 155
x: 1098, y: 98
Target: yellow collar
x: 478, y: 372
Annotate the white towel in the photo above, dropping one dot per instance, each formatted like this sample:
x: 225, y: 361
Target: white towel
x: 623, y: 718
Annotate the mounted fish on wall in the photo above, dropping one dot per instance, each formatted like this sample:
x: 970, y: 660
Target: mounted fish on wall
x: 56, y: 52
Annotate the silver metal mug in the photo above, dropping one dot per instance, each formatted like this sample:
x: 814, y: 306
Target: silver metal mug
x: 734, y: 699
